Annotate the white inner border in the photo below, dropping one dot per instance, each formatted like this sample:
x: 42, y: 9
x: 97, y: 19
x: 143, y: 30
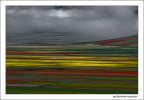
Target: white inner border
x: 70, y: 96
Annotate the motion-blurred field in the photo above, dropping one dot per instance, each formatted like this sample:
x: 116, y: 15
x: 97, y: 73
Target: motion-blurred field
x: 71, y: 69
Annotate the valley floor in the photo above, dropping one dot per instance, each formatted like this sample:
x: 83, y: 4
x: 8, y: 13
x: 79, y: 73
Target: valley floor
x: 71, y: 69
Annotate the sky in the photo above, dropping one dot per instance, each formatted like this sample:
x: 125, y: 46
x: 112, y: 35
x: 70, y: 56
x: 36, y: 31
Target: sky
x: 69, y: 24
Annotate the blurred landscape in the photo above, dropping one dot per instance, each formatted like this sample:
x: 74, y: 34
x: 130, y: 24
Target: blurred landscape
x: 95, y: 67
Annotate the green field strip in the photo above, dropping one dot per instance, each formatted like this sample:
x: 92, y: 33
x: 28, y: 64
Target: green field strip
x: 42, y: 77
x: 84, y: 85
x: 52, y: 90
x: 69, y: 50
x: 79, y: 49
x: 16, y: 57
x: 127, y: 51
x: 129, y: 68
x: 75, y: 80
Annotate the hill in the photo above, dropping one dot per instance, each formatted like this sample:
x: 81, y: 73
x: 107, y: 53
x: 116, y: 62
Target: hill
x: 124, y: 41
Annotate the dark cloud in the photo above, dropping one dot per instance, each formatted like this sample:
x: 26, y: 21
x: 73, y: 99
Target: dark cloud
x: 68, y: 24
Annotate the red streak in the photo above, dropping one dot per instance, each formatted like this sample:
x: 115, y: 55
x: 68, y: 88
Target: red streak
x: 37, y: 53
x: 77, y: 72
x: 125, y: 44
x: 109, y: 42
x: 26, y: 80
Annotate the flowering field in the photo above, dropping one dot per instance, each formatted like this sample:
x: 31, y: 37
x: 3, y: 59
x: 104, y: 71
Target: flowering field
x: 71, y: 69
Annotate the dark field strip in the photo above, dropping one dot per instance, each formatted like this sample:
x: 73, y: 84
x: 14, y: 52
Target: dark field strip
x: 77, y: 72
x: 71, y: 70
x: 79, y: 52
x: 29, y: 68
x: 71, y: 50
x: 52, y: 90
x: 45, y: 77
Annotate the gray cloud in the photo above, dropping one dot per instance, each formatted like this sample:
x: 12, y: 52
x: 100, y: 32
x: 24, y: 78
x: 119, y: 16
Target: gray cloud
x: 68, y: 24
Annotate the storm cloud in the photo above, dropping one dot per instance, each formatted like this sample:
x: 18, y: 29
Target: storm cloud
x: 69, y: 24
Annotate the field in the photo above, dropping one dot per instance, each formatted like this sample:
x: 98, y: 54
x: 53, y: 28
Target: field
x: 71, y: 69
